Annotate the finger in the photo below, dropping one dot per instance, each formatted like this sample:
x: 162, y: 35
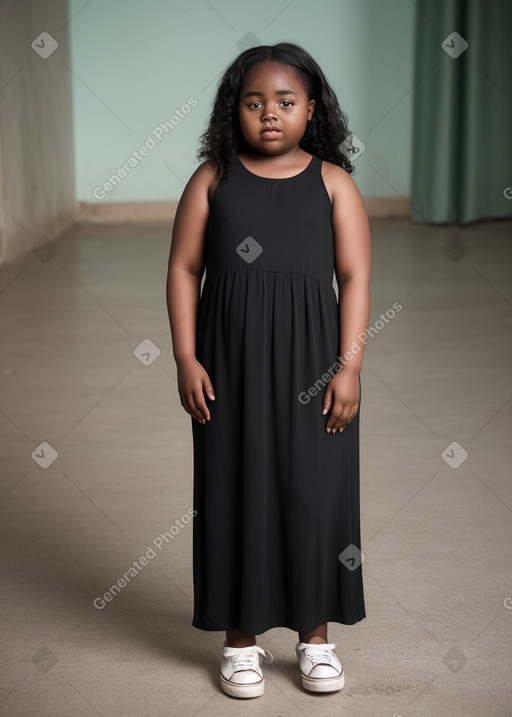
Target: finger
x: 332, y: 421
x: 208, y: 389
x: 200, y: 404
x: 340, y: 414
x: 342, y: 418
x: 190, y: 407
x: 327, y: 401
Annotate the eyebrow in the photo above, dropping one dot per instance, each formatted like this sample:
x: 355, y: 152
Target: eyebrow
x: 260, y: 94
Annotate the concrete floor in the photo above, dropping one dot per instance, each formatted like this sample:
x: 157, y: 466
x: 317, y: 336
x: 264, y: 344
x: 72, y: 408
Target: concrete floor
x: 436, y: 524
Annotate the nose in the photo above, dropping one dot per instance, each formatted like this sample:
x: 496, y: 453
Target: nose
x: 269, y: 114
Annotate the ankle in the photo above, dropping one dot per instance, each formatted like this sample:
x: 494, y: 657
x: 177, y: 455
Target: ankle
x: 240, y: 641
x: 238, y: 638
x: 316, y: 640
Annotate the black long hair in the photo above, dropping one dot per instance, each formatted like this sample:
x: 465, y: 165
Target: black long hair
x: 325, y: 132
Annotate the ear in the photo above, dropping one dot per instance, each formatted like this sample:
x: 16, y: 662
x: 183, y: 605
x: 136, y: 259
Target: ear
x: 311, y: 108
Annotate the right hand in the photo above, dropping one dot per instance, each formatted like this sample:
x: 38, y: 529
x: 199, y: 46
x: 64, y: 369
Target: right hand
x: 193, y: 383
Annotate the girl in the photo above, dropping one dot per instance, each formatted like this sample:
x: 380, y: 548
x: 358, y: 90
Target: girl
x: 269, y: 365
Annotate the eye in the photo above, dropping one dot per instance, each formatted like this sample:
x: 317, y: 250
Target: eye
x: 289, y: 104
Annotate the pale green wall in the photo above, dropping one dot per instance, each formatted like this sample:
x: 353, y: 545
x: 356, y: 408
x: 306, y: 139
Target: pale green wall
x: 135, y: 63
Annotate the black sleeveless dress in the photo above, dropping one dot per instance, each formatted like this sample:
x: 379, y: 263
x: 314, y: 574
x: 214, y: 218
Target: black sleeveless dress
x: 276, y: 536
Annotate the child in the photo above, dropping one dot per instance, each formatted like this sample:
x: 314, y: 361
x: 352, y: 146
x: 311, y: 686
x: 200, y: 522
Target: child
x: 268, y: 365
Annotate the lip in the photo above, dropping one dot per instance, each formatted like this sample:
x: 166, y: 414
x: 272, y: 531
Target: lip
x: 270, y: 133
x: 271, y: 130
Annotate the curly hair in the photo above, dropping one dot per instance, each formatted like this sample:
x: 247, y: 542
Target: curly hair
x: 325, y: 132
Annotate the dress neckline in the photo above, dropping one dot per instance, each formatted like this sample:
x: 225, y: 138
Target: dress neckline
x: 277, y: 179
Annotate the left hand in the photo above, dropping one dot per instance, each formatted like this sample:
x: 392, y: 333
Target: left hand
x: 342, y: 399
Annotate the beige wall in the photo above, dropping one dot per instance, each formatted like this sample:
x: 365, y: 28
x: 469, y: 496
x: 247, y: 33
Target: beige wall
x: 37, y: 182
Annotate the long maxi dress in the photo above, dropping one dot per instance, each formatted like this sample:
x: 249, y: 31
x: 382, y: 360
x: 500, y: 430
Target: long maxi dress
x: 276, y: 535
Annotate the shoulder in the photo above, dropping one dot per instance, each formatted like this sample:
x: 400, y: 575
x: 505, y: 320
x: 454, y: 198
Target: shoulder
x: 204, y: 180
x: 339, y: 185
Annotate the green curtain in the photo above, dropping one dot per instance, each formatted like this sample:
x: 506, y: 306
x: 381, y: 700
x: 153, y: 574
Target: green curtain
x: 462, y: 111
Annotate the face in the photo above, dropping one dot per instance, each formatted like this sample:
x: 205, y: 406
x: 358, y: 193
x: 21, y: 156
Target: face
x: 272, y: 94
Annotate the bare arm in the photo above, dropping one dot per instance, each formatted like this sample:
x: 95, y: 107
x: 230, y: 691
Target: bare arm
x: 186, y: 267
x: 352, y: 267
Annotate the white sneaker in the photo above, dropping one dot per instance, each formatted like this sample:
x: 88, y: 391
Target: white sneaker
x: 320, y: 669
x: 240, y: 671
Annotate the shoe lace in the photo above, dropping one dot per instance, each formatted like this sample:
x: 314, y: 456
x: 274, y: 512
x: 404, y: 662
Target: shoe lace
x: 248, y: 658
x: 320, y: 655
